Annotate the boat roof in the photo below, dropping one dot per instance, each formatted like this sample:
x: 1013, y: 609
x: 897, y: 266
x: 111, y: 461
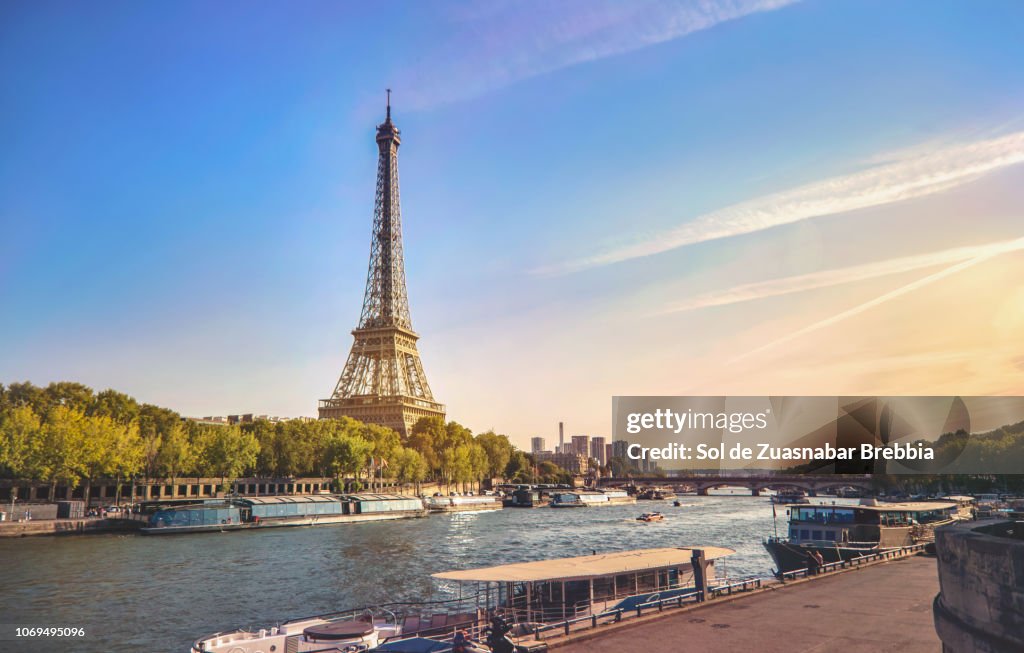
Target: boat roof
x: 910, y: 506
x: 592, y: 566
x: 376, y: 497
x: 299, y: 499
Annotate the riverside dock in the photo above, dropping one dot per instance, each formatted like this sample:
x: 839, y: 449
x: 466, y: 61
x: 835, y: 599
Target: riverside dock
x: 886, y: 606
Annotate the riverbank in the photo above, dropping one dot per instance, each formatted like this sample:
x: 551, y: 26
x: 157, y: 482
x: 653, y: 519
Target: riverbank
x: 84, y: 526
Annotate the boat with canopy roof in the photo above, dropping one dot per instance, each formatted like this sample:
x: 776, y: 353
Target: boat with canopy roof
x: 525, y: 594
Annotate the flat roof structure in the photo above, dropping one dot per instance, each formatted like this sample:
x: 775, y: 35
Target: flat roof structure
x: 584, y: 567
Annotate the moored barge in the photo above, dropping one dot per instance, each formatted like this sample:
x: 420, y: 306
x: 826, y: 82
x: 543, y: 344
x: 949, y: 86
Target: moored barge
x: 844, y: 532
x: 271, y: 512
x: 587, y: 499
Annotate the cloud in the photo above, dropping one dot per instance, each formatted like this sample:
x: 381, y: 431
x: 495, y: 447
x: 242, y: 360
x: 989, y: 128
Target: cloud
x: 985, y: 254
x: 510, y: 42
x: 917, y: 175
x: 834, y: 277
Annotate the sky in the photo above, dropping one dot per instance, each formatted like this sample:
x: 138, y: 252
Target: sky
x: 755, y: 197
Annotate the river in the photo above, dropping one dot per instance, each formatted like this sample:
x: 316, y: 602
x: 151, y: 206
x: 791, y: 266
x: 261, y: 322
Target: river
x: 136, y: 594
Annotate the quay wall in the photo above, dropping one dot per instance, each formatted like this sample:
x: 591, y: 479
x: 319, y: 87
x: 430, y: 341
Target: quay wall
x: 980, y: 605
x: 68, y: 527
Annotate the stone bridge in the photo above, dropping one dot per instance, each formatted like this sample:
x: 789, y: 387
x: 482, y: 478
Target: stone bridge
x: 811, y: 484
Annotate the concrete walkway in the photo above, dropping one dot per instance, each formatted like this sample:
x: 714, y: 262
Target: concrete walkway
x: 884, y: 607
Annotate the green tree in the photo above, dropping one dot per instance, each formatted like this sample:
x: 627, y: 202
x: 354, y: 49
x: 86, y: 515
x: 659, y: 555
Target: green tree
x: 499, y: 453
x: 176, y: 453
x: 57, y: 454
x: 26, y: 394
x: 408, y: 466
x: 519, y: 468
x: 69, y: 394
x: 226, y: 452
x: 19, y: 428
x: 155, y: 424
x: 115, y: 405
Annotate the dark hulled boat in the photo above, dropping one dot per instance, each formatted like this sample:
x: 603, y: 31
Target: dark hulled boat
x: 844, y: 532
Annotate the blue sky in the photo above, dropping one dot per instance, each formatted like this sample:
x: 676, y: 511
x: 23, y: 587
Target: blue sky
x: 595, y: 195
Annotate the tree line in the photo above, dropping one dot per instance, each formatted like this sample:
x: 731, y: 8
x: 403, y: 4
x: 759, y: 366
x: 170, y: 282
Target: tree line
x: 65, y: 433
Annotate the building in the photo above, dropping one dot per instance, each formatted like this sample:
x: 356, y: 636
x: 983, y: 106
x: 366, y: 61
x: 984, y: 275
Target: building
x: 608, y: 452
x: 561, y: 437
x: 597, y: 449
x: 581, y: 445
x: 570, y: 462
x: 383, y: 380
x: 619, y: 448
x: 537, y: 444
x: 245, y: 418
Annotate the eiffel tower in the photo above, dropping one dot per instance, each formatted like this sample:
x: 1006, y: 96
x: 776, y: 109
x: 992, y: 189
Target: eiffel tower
x: 383, y: 380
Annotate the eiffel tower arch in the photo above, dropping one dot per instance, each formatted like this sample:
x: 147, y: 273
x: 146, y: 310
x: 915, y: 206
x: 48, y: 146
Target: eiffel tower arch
x: 383, y: 380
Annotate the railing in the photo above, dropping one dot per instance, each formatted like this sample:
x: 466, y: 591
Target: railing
x: 566, y: 626
x: 888, y: 554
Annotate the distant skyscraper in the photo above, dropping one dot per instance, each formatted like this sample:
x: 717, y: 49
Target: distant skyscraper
x: 561, y: 437
x: 536, y: 444
x: 608, y: 452
x: 597, y: 449
x: 581, y: 445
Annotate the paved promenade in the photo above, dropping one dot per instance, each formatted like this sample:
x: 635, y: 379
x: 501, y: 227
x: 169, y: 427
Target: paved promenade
x: 884, y: 607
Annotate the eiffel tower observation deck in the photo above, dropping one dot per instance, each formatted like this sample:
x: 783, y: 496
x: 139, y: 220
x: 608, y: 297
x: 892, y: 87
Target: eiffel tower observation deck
x: 383, y: 381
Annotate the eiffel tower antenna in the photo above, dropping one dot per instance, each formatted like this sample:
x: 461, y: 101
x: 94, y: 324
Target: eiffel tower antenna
x: 383, y: 380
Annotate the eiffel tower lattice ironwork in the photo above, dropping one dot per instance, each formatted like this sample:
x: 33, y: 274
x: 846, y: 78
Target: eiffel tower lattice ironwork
x: 383, y: 380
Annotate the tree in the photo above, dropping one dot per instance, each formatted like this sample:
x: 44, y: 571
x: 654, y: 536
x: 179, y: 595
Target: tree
x: 408, y: 466
x: 56, y: 455
x: 108, y: 447
x: 155, y: 424
x: 499, y: 453
x: 227, y: 451
x: 347, y: 453
x: 19, y: 427
x: 175, y: 454
x: 115, y: 405
x: 427, y: 437
x: 25, y: 394
x: 69, y: 394
x: 519, y: 468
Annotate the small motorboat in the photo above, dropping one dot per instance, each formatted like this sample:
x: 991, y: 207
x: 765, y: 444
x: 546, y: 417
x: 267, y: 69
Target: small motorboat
x: 677, y: 503
x: 651, y: 516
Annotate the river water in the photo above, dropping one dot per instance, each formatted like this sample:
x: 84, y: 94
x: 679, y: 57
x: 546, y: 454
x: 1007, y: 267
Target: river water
x: 137, y: 594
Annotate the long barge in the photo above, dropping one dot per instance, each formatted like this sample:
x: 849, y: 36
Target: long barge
x: 464, y: 504
x: 587, y: 499
x: 275, y: 512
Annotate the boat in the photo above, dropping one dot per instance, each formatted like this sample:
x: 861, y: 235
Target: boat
x: 590, y: 498
x: 677, y: 503
x: 655, y: 493
x: 844, y: 532
x: 527, y: 496
x: 272, y: 512
x: 524, y: 594
x: 651, y: 516
x: 463, y: 503
x: 790, y: 497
